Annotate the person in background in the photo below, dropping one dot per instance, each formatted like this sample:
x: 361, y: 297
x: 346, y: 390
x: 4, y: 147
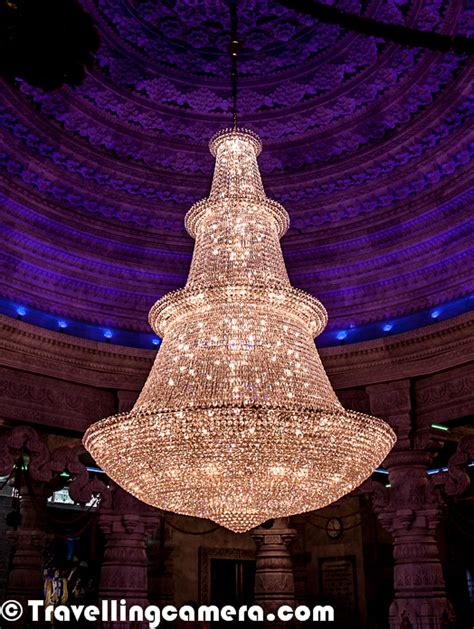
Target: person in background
x: 55, y: 591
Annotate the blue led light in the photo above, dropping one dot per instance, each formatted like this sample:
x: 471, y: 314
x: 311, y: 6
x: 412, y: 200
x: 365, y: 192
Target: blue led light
x: 329, y: 338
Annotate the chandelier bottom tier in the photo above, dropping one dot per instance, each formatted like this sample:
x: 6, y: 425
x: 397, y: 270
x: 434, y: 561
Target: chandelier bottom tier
x: 238, y: 421
x: 239, y: 466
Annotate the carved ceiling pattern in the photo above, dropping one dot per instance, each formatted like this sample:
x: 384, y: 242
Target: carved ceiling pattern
x: 365, y: 144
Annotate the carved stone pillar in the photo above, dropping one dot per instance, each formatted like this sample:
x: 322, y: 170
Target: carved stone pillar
x: 410, y: 510
x: 274, y: 581
x: 420, y: 594
x: 28, y: 542
x: 124, y: 569
x: 33, y: 473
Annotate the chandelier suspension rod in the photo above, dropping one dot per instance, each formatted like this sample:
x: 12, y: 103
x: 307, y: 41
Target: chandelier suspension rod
x: 234, y: 48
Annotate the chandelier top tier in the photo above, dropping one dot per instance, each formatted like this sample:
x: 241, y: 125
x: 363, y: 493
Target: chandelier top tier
x: 237, y: 421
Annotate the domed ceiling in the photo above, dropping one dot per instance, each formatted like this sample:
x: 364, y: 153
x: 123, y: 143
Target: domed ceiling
x: 365, y: 144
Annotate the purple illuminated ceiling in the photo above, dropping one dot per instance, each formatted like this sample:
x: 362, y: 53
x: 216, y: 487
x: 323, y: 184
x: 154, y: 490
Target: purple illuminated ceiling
x: 365, y: 143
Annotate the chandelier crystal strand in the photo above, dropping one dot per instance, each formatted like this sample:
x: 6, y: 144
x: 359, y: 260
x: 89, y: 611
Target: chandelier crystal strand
x: 237, y: 421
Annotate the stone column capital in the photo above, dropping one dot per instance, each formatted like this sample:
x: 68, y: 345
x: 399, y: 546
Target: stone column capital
x: 273, y: 537
x: 408, y: 462
x: 128, y: 523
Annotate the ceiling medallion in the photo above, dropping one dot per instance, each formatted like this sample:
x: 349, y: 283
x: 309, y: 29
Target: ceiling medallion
x: 237, y: 421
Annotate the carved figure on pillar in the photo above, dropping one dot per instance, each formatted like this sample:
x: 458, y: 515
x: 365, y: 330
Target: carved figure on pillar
x: 274, y: 580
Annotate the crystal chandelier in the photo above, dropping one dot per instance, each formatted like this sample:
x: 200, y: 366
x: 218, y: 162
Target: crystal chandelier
x: 237, y: 421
